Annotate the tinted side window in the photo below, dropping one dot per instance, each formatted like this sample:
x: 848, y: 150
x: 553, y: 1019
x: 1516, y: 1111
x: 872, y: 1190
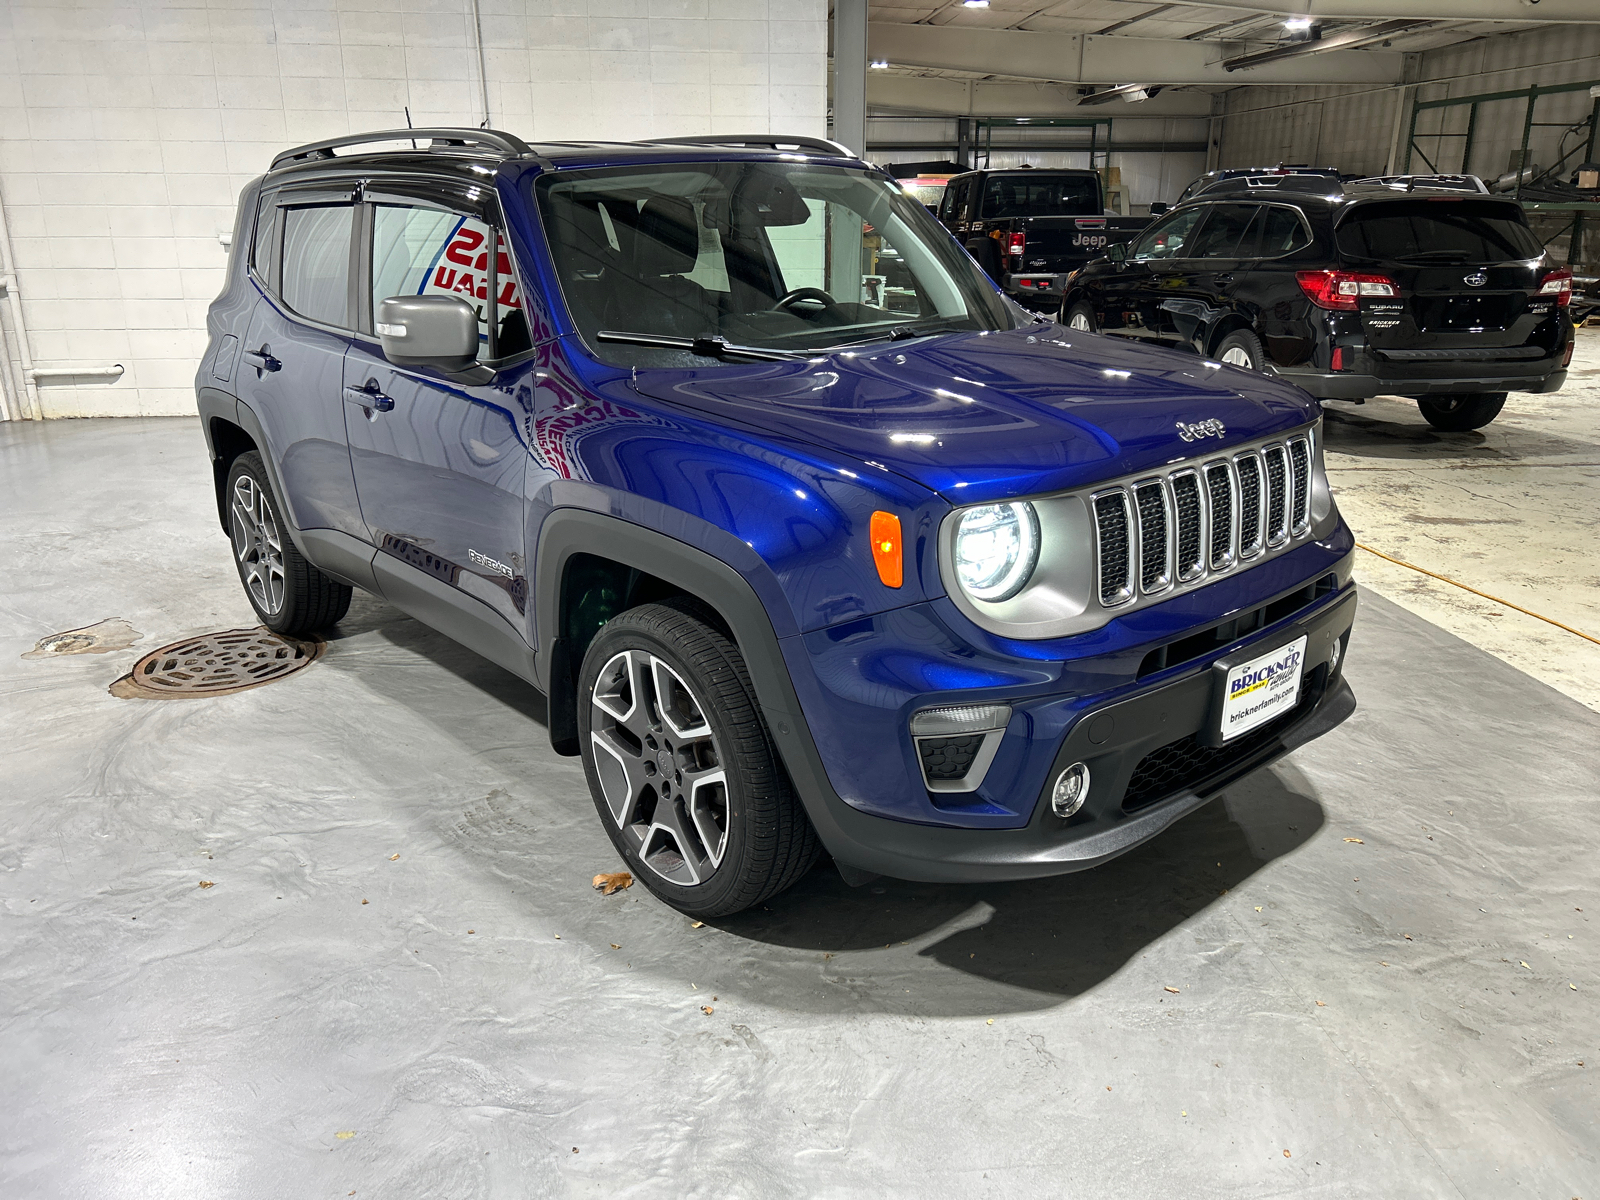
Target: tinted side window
x: 1219, y: 236
x: 1280, y: 231
x: 316, y: 262
x: 1441, y: 230
x: 1166, y: 238
x: 1040, y: 195
x: 424, y: 251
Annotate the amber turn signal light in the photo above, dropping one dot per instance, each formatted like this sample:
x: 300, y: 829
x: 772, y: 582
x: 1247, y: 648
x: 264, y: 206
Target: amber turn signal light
x: 885, y: 530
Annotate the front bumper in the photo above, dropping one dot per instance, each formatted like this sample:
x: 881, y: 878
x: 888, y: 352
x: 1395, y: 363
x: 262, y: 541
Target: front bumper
x: 1116, y: 740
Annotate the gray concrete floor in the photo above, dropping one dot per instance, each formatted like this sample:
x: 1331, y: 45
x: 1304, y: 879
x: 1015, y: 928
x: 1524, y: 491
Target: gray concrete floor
x: 1385, y: 949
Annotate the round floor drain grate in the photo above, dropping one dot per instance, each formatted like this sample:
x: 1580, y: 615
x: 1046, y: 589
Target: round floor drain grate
x: 217, y: 664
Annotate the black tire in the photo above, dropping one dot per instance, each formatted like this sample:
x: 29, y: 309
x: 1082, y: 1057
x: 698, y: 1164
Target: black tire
x: 766, y: 840
x: 1080, y: 309
x: 987, y: 252
x: 1242, y: 343
x: 303, y: 600
x: 1457, y: 412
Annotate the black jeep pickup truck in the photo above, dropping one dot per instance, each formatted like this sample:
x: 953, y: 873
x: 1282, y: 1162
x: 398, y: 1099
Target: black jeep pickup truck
x: 1028, y: 227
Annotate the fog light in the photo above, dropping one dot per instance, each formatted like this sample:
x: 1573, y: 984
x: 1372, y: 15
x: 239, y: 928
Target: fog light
x: 1334, y: 655
x: 1071, y: 790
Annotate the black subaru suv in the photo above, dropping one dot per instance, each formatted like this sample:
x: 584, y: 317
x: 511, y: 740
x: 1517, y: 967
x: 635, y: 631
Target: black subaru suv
x: 1349, y: 290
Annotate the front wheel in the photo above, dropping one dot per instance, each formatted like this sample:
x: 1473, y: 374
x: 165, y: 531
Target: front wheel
x: 1462, y: 411
x: 681, y: 767
x: 1242, y: 349
x: 1080, y: 317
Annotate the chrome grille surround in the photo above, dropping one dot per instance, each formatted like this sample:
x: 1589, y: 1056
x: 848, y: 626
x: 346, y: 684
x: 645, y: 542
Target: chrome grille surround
x: 1217, y: 513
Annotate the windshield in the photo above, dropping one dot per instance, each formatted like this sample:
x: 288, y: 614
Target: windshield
x: 781, y: 256
x: 1455, y: 231
x: 1040, y: 195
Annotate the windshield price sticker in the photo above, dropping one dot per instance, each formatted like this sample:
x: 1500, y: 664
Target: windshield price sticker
x: 1261, y: 689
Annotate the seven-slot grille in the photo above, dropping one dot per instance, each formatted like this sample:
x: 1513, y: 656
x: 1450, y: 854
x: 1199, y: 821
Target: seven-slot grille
x: 1199, y: 520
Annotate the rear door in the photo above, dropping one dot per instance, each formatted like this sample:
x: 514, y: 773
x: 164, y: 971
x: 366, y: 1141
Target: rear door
x: 291, y: 369
x: 1198, y: 292
x: 440, y: 460
x: 1127, y: 299
x: 1468, y: 272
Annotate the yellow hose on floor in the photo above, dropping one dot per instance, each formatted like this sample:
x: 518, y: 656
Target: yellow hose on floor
x: 1400, y: 562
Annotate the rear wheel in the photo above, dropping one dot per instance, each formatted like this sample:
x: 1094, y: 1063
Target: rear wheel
x: 1461, y: 411
x: 1242, y: 349
x: 289, y: 594
x: 1080, y: 317
x: 681, y: 767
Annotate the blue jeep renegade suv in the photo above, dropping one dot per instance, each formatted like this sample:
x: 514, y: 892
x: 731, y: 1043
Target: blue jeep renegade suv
x: 812, y: 540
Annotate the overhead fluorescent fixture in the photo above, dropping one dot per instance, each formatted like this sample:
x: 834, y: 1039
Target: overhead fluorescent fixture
x: 878, y: 64
x: 1130, y: 92
x: 974, y: 3
x: 1297, y: 23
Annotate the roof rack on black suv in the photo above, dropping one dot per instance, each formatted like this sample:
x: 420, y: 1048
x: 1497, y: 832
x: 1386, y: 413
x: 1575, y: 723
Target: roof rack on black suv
x: 438, y: 139
x: 1225, y: 176
x: 1409, y: 183
x: 759, y: 141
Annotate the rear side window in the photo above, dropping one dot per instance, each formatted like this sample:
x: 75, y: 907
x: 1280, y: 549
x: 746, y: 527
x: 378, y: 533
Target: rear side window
x: 1040, y: 195
x: 1457, y: 231
x: 1279, y: 231
x: 316, y: 262
x: 1219, y: 237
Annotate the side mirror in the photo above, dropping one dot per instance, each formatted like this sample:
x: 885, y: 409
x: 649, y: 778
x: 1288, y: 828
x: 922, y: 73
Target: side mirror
x: 1157, y: 207
x: 1117, y: 252
x: 428, y: 331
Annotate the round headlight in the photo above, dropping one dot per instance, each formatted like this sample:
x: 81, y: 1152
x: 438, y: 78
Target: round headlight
x: 997, y: 547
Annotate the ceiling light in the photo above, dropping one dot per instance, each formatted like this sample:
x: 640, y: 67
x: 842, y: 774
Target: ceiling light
x: 974, y: 3
x: 1297, y: 23
x: 878, y: 65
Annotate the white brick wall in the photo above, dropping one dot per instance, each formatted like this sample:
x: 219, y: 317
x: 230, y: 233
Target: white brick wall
x: 127, y: 130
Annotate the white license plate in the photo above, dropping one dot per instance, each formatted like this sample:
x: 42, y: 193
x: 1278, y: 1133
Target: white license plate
x: 1261, y: 689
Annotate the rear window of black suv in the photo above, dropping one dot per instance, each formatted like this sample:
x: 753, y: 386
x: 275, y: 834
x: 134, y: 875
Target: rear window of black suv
x: 1437, y: 230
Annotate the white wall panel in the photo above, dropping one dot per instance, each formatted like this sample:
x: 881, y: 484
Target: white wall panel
x: 127, y: 130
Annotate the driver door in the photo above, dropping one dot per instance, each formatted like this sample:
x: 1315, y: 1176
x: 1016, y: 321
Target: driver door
x: 440, y: 460
x: 1131, y: 296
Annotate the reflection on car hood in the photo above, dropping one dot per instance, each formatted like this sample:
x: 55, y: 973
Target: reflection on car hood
x: 979, y: 417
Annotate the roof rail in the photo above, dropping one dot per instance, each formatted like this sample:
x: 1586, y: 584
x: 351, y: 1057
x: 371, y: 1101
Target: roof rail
x: 1454, y: 183
x: 441, y: 138
x: 760, y: 141
x: 1289, y: 181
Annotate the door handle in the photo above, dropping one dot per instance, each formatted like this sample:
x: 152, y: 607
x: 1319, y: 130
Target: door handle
x: 368, y: 396
x: 1222, y: 277
x: 262, y: 360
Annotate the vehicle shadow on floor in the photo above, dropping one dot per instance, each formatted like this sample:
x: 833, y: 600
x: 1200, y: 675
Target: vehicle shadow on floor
x: 1369, y: 431
x: 1056, y: 937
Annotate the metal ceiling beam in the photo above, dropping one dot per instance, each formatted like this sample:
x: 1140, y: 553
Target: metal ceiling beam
x: 1347, y: 39
x: 1575, y: 12
x: 1126, y: 21
x: 890, y: 93
x: 1079, y: 58
x: 1118, y: 93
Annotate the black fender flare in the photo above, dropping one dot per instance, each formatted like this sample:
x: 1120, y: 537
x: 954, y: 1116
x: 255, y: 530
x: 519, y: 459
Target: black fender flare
x: 216, y: 404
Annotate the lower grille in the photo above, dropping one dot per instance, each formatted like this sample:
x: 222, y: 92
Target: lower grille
x: 949, y: 757
x: 1186, y: 763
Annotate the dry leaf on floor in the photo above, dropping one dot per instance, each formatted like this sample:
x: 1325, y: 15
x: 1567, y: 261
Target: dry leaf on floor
x: 363, y: 902
x: 1258, y: 908
x: 1408, y: 937
x: 1520, y: 963
x: 392, y: 857
x: 1358, y: 842
x: 1320, y: 1004
x: 614, y: 946
x: 345, y: 1134
x: 207, y: 883
x: 696, y: 924
x: 707, y: 1009
x: 1286, y: 1154
x: 613, y: 882
x: 1173, y: 990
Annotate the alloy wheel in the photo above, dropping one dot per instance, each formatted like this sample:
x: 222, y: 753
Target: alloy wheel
x: 1238, y: 356
x: 1080, y: 322
x: 257, y: 545
x: 659, y: 767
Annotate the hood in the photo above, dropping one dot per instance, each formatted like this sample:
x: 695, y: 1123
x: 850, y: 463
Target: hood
x: 977, y: 417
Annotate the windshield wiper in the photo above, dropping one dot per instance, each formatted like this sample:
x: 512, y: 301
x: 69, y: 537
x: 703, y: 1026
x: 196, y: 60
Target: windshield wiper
x: 909, y: 330
x: 706, y: 347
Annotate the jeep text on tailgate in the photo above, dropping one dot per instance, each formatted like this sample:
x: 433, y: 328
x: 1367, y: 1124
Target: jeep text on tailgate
x: 813, y: 542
